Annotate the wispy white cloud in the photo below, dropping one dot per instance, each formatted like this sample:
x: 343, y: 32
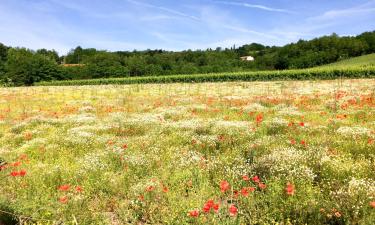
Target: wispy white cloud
x: 358, y: 11
x: 327, y: 22
x: 156, y: 17
x: 165, y: 9
x: 335, y: 14
x: 186, y: 24
x: 222, y: 22
x: 48, y: 31
x: 87, y: 11
x: 249, y: 31
x: 254, y: 6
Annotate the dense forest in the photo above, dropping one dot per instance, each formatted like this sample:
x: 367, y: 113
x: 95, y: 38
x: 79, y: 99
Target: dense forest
x: 21, y: 66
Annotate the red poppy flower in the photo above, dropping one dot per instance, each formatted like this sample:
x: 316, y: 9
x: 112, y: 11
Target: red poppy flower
x: 251, y: 189
x: 22, y: 173
x: 141, y: 198
x: 262, y: 186
x: 372, y: 204
x: 303, y: 142
x: 233, y: 210
x: 216, y: 207
x: 221, y: 137
x: 15, y: 164
x: 289, y: 189
x: 245, y: 192
x: 194, y: 213
x: 259, y: 118
x: 302, y: 124
x: 63, y: 199
x: 14, y: 173
x: 256, y: 179
x: 206, y: 208
x: 79, y: 189
x: 293, y: 142
x: 224, y: 186
x: 341, y: 116
x: 64, y: 187
x: 210, y: 203
x: 150, y: 188
x: 23, y: 157
x: 245, y: 178
x: 125, y: 146
x: 165, y: 189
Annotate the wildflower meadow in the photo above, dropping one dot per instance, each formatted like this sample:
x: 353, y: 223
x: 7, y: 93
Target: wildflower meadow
x: 284, y: 152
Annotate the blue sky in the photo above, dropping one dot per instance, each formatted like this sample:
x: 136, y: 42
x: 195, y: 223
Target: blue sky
x: 176, y: 24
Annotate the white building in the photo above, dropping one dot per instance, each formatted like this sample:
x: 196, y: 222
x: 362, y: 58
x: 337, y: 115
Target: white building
x: 247, y: 58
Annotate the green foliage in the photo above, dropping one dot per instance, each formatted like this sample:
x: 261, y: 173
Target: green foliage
x: 3, y: 58
x: 24, y: 67
x: 50, y: 54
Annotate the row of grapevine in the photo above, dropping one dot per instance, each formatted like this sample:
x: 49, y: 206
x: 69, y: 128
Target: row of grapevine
x: 305, y: 74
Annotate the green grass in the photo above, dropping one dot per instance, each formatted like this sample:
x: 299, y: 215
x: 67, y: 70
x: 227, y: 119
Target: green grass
x: 360, y: 61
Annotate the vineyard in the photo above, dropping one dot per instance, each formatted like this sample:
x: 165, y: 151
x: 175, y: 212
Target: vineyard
x: 306, y: 74
x: 279, y: 152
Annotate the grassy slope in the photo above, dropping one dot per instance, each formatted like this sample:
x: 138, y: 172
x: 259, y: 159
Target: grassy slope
x: 361, y: 61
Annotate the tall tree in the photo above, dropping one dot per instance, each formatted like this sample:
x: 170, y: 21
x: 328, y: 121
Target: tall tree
x: 24, y: 67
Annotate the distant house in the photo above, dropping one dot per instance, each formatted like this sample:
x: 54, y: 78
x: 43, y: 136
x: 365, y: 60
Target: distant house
x: 247, y: 58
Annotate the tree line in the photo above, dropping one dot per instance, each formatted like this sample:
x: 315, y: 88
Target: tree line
x: 21, y: 66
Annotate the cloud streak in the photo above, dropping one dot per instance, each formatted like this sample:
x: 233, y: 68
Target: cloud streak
x: 254, y: 6
x: 165, y: 9
x: 248, y: 31
x: 334, y: 14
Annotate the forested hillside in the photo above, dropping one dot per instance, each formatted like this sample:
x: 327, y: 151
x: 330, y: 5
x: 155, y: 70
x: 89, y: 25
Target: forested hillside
x: 20, y: 66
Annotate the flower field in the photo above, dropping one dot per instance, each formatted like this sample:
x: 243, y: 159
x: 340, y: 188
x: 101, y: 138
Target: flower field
x: 287, y: 152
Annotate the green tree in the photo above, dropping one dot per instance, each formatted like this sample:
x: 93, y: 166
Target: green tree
x: 74, y: 56
x: 24, y: 67
x: 3, y: 58
x: 50, y: 54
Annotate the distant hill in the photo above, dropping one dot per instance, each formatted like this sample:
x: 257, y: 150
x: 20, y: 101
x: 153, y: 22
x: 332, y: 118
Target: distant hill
x: 360, y: 61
